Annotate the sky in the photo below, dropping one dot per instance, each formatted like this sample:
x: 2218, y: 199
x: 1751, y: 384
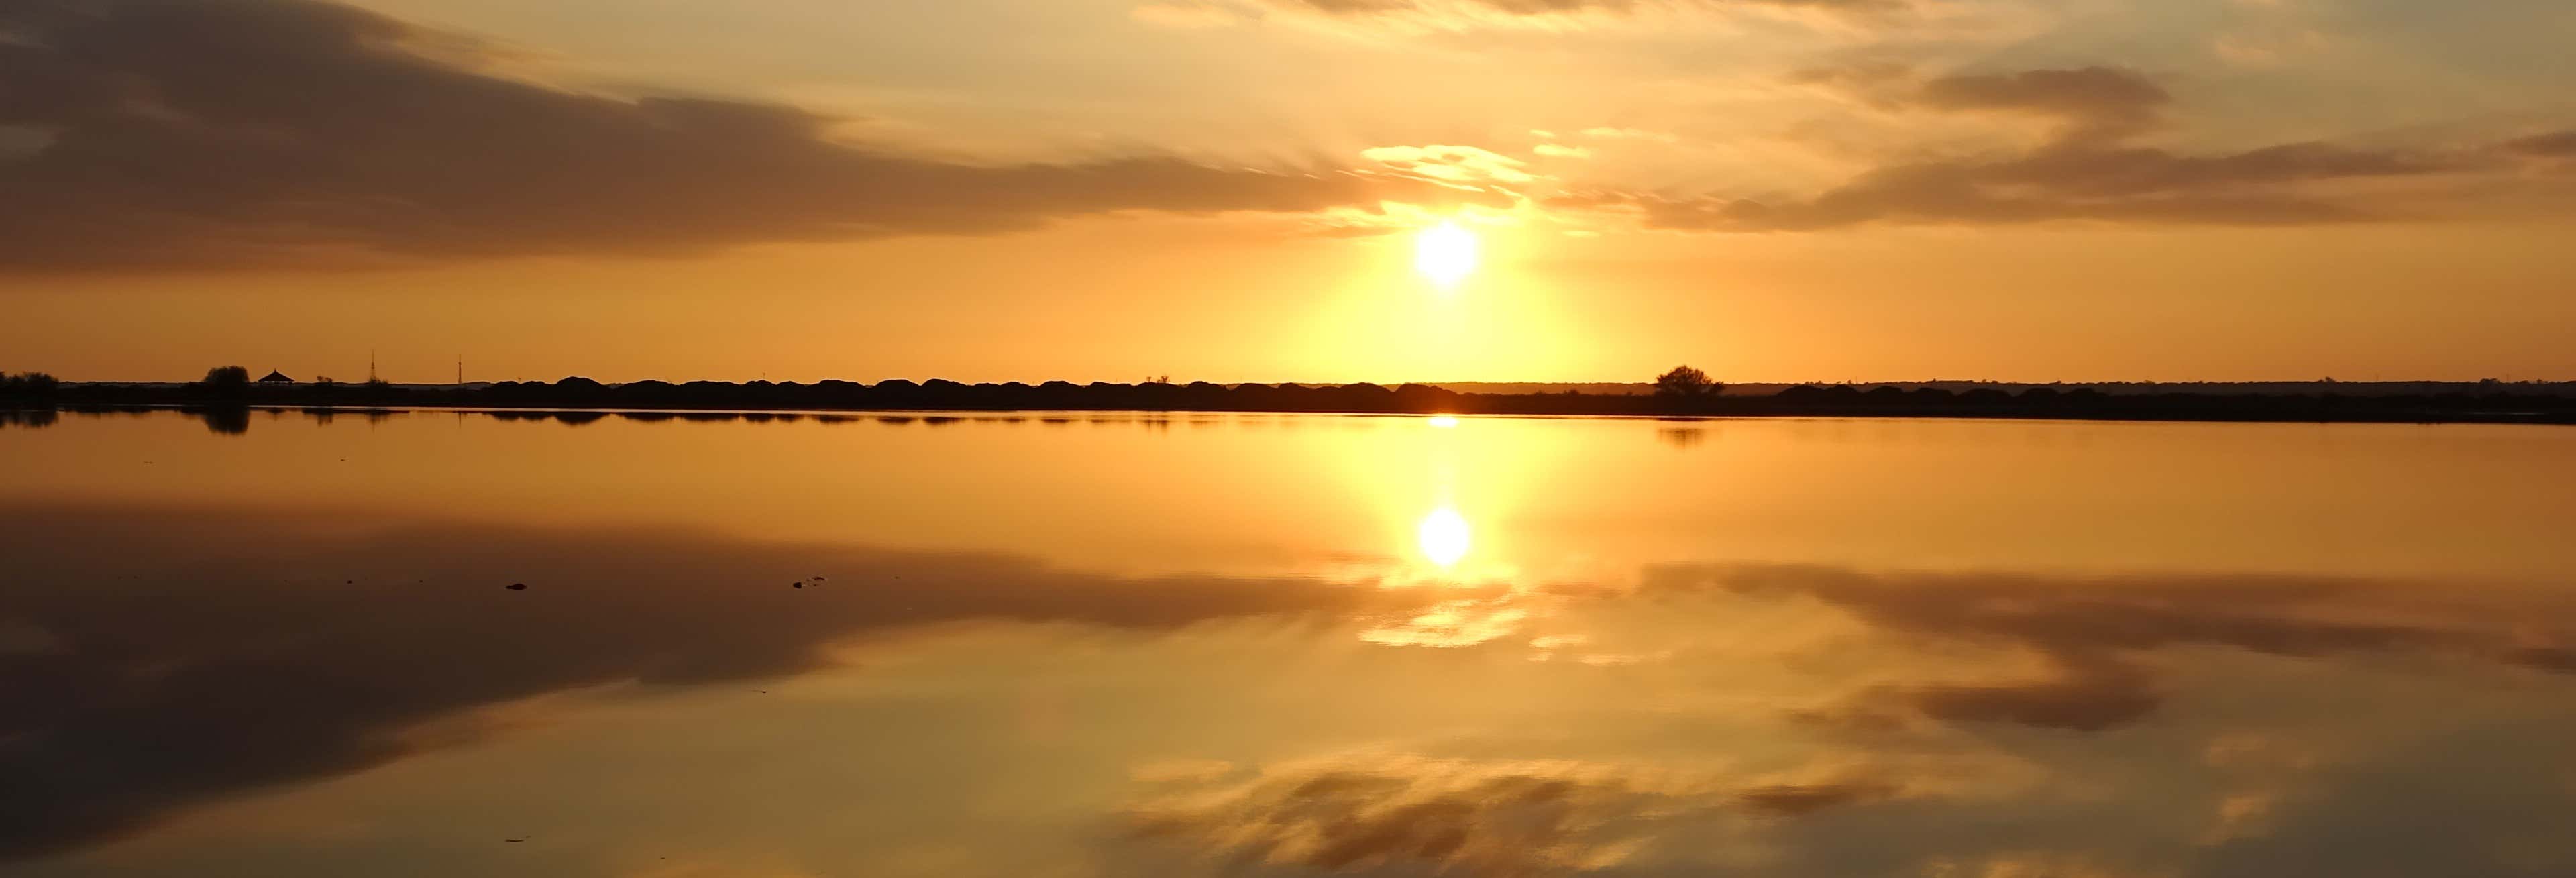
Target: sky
x: 1234, y: 190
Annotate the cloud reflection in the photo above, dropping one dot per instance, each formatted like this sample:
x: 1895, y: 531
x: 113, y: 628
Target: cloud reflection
x: 159, y: 658
x: 2091, y: 633
x: 152, y: 660
x: 1397, y: 812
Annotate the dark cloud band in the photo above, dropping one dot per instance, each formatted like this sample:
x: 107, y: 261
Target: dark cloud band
x: 257, y: 132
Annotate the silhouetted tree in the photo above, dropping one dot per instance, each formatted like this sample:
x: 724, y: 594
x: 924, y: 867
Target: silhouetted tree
x: 226, y: 383
x: 222, y: 378
x: 1684, y: 382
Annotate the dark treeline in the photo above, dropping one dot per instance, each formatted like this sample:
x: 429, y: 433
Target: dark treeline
x: 225, y: 388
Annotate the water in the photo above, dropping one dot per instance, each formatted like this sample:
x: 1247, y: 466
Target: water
x: 1252, y: 645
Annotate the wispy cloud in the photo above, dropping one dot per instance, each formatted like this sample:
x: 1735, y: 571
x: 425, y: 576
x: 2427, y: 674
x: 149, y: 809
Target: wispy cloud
x: 2091, y: 167
x: 1437, y: 16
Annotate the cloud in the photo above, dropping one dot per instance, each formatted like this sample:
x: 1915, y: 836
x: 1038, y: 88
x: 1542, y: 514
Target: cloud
x: 2242, y: 815
x: 715, y: 867
x: 1551, y: 16
x: 1559, y: 150
x: 1853, y: 76
x: 2272, y: 46
x: 2090, y: 170
x: 2552, y: 145
x: 2098, y: 101
x: 1476, y: 818
x: 1496, y: 817
x: 2132, y: 185
x: 1453, y: 624
x: 1450, y: 165
x: 2088, y: 697
x: 134, y: 699
x: 1606, y: 133
x: 197, y: 133
x: 2026, y: 864
x: 1354, y: 7
x: 1794, y: 799
x: 1526, y: 8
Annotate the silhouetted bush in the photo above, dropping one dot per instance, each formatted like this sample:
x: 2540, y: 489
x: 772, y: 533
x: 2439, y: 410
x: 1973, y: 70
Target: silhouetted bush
x: 1804, y: 393
x: 28, y: 386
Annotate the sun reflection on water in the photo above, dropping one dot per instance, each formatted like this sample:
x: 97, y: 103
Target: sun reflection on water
x: 1443, y: 536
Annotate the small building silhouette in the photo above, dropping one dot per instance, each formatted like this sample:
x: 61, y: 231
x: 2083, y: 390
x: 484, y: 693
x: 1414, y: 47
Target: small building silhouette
x: 275, y: 377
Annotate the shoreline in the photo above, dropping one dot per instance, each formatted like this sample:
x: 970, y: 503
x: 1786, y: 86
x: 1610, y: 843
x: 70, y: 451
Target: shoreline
x: 2186, y: 408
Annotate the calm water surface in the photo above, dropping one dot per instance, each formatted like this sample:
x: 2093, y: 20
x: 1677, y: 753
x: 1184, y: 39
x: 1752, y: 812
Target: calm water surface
x: 1253, y: 645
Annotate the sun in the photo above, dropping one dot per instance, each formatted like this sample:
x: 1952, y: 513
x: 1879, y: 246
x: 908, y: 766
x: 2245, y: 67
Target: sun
x: 1445, y: 253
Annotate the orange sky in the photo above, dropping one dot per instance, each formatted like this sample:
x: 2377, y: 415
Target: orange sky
x: 1229, y: 189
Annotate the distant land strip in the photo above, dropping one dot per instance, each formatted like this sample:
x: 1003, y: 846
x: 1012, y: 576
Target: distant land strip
x: 2488, y: 402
